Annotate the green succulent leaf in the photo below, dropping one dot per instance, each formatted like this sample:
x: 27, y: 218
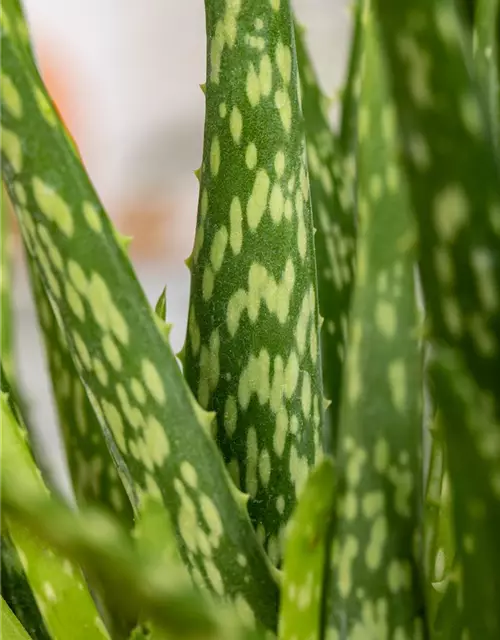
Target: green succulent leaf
x: 453, y: 177
x: 335, y: 234
x: 58, y: 585
x: 375, y: 582
x: 94, y: 540
x: 10, y: 625
x: 433, y: 508
x: 161, y: 305
x: 16, y: 590
x: 141, y: 580
x: 252, y: 349
x: 95, y: 478
x: 486, y: 58
x: 306, y: 555
x: 158, y: 436
x: 351, y: 90
x: 472, y: 438
x: 6, y: 338
x: 441, y: 563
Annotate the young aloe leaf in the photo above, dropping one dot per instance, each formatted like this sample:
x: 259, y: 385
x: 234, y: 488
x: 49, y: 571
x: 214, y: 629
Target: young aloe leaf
x: 161, y: 305
x: 453, y: 177
x: 158, y: 436
x: 58, y: 586
x: 375, y: 577
x: 305, y: 556
x: 445, y: 577
x: 441, y: 563
x: 473, y: 442
x: 10, y: 625
x: 433, y: 511
x: 486, y: 52
x: 252, y: 350
x: 334, y: 238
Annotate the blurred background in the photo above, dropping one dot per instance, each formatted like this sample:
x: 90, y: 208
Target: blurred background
x: 125, y: 76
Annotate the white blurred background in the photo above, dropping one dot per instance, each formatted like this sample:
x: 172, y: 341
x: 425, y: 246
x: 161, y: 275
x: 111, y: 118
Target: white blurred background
x: 125, y: 75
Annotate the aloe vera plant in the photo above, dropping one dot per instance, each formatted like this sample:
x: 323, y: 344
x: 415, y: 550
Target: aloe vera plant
x: 272, y: 485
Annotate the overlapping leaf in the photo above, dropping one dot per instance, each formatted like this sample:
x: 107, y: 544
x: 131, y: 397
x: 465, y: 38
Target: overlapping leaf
x: 305, y: 558
x: 453, y: 178
x: 486, y: 58
x: 57, y: 585
x: 10, y: 625
x: 333, y: 215
x: 158, y: 436
x: 375, y: 581
x: 473, y: 441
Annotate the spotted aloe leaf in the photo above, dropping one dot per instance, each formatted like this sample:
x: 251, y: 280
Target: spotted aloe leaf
x: 158, y: 436
x: 252, y: 351
x: 305, y: 556
x: 441, y: 563
x: 345, y: 168
x: 94, y: 475
x: 10, y: 625
x: 58, y: 586
x: 351, y: 89
x: 15, y: 587
x: 142, y: 581
x: 445, y: 577
x: 453, y: 178
x: 375, y: 578
x: 101, y: 547
x: 486, y: 58
x: 6, y: 340
x: 16, y: 590
x: 335, y: 234
x: 472, y: 437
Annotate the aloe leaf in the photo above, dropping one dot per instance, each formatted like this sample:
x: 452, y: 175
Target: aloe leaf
x: 473, y: 442
x: 142, y: 580
x: 442, y: 566
x: 433, y: 510
x: 453, y: 178
x: 252, y: 350
x: 350, y: 92
x: 6, y: 340
x: 16, y: 590
x: 334, y: 238
x: 486, y: 52
x: 161, y: 305
x: 58, y: 586
x: 375, y: 579
x: 94, y: 476
x: 445, y: 578
x: 94, y: 540
x: 305, y: 556
x: 15, y: 587
x: 10, y: 625
x: 158, y: 436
